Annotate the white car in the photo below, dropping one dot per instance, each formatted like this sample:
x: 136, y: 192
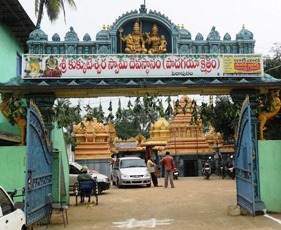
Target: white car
x: 75, y: 169
x: 11, y: 218
x: 130, y: 171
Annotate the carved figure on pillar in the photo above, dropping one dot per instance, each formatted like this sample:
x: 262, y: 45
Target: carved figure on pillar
x: 274, y: 107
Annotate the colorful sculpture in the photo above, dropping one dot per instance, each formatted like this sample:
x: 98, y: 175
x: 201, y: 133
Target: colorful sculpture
x: 158, y: 44
x: 135, y: 43
x: 274, y: 107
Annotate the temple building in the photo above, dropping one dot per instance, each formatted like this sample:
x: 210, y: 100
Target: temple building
x: 186, y: 141
x: 94, y: 143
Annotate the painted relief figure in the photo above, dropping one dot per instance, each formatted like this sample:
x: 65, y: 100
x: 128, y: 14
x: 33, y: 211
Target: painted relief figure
x: 34, y: 67
x: 52, y: 68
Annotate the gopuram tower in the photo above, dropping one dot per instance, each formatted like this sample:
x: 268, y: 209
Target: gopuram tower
x: 185, y: 137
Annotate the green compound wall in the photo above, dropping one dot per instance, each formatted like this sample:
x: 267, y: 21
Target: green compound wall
x: 270, y: 174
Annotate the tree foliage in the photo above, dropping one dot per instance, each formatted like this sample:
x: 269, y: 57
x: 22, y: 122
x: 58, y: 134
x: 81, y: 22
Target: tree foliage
x: 15, y: 107
x: 221, y: 116
x: 53, y: 9
x: 272, y: 65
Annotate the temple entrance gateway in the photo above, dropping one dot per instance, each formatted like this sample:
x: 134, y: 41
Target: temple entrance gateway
x: 190, y: 168
x: 144, y: 52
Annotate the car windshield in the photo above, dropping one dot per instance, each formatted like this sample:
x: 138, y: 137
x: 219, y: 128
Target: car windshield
x: 129, y: 163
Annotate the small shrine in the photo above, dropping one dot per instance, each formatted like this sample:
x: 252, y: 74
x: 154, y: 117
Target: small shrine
x: 159, y: 133
x: 94, y: 140
x: 214, y: 140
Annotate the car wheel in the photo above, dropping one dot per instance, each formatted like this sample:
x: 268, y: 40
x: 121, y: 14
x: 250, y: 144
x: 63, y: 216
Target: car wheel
x: 148, y: 185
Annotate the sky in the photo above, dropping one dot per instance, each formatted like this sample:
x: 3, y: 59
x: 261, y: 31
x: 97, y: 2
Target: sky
x: 261, y: 17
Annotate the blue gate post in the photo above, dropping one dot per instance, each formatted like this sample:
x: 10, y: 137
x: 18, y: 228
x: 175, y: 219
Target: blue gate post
x: 248, y: 165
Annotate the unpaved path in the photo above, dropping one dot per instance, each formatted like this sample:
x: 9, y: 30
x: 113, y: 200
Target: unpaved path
x: 195, y: 203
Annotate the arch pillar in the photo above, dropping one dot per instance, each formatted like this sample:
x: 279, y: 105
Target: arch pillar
x: 238, y: 96
x: 44, y: 101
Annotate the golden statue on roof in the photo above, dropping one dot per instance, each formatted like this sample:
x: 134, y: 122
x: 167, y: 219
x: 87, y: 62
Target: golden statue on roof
x: 135, y: 43
x: 158, y: 43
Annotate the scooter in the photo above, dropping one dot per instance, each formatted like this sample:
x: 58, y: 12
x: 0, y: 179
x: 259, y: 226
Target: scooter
x: 229, y: 167
x: 206, y: 169
x: 176, y: 173
x: 222, y: 169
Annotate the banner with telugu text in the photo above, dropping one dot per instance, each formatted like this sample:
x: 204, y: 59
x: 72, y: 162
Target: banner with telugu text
x: 235, y: 64
x: 50, y: 66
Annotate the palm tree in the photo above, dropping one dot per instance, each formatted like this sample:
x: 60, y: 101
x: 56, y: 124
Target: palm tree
x: 53, y: 8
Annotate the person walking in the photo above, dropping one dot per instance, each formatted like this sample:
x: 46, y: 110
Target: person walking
x: 151, y: 168
x: 169, y: 164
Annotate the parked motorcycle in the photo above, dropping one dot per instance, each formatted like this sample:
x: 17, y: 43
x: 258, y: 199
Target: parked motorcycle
x: 229, y: 167
x: 206, y: 169
x: 222, y: 169
x: 176, y: 173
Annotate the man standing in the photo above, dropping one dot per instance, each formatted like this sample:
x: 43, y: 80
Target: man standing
x: 169, y: 164
x: 150, y: 166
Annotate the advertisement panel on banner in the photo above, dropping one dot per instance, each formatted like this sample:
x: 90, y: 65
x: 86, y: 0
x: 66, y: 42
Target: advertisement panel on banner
x: 242, y: 64
x: 50, y: 66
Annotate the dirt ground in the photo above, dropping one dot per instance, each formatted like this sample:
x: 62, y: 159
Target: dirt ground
x: 195, y: 203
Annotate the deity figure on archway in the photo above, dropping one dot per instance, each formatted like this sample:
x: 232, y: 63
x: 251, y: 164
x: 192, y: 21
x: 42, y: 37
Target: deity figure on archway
x: 52, y: 68
x: 158, y: 43
x: 135, y: 43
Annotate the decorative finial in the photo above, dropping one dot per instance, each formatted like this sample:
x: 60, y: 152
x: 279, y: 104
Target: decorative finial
x: 243, y: 26
x: 104, y: 27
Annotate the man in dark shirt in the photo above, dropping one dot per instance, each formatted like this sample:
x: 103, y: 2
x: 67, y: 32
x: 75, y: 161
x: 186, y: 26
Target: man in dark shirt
x: 84, y: 176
